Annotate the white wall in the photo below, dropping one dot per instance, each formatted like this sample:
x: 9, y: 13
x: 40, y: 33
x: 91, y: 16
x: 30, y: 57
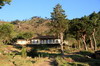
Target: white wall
x: 48, y: 41
x: 21, y: 42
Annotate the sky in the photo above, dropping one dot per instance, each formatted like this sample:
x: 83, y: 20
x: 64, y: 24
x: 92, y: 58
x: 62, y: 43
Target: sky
x: 25, y: 9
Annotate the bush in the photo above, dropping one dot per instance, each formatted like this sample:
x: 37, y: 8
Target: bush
x: 19, y: 61
x: 60, y: 61
x: 23, y: 52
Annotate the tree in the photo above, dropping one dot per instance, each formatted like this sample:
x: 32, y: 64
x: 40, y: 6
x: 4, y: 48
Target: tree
x: 74, y: 30
x: 59, y: 22
x: 25, y: 35
x: 86, y: 28
x: 94, y: 18
x: 89, y: 30
x: 3, y: 2
x: 15, y: 22
x: 24, y: 52
x: 6, y: 32
x: 98, y: 30
x: 78, y: 29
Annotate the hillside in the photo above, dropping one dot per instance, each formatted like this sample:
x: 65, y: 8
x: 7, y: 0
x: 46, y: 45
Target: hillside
x: 36, y: 25
x: 2, y: 22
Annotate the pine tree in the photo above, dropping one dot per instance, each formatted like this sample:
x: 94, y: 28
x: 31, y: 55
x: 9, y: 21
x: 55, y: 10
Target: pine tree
x: 59, y: 22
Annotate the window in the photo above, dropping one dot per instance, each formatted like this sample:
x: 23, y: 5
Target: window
x: 56, y: 41
x: 34, y: 41
x: 41, y: 41
x: 48, y: 41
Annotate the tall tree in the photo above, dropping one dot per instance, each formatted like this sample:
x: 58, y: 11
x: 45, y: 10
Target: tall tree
x: 59, y: 22
x: 6, y: 32
x: 3, y: 2
x: 94, y: 18
x: 78, y: 29
x: 74, y: 29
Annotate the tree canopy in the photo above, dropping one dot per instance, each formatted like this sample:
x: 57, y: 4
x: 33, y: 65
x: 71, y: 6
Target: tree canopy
x: 6, y: 32
x: 59, y: 21
x: 3, y: 2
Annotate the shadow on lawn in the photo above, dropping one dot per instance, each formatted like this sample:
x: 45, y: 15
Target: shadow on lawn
x: 33, y: 53
x: 84, y: 57
x: 35, y: 48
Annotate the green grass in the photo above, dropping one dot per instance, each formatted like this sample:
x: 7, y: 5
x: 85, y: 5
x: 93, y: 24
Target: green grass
x: 74, y: 57
x: 62, y: 62
x: 20, y: 61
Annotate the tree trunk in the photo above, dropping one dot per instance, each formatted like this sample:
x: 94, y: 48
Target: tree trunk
x: 83, y: 38
x: 91, y: 43
x: 61, y: 37
x: 78, y: 44
x: 93, y: 34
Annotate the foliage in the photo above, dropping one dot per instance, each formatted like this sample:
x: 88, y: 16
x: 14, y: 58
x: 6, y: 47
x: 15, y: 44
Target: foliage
x: 24, y: 52
x: 15, y: 22
x: 3, y: 2
x: 59, y: 22
x: 6, y: 32
x: 25, y: 35
x: 85, y: 28
x: 60, y: 61
x: 20, y: 61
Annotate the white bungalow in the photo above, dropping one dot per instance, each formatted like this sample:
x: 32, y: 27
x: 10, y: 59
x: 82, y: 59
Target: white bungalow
x: 45, y: 40
x: 22, y: 42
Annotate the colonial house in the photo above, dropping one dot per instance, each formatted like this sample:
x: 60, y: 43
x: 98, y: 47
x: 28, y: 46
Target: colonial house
x: 45, y: 40
x: 40, y: 40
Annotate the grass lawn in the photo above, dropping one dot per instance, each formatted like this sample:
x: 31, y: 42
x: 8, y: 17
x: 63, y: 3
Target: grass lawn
x: 50, y: 56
